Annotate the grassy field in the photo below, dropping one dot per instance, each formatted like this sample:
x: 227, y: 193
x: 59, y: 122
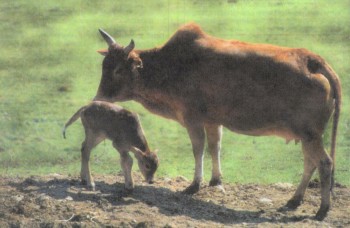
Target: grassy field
x: 49, y: 68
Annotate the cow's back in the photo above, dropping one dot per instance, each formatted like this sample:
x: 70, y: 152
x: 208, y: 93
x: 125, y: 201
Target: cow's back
x: 248, y: 88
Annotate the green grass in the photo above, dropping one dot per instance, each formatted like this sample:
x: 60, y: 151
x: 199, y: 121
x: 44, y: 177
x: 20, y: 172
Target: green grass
x: 49, y: 68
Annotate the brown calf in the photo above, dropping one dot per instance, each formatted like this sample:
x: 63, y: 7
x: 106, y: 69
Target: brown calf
x: 205, y: 83
x: 103, y: 120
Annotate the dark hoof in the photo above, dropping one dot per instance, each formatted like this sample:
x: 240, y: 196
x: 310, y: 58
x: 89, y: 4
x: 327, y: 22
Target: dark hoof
x: 125, y: 192
x: 290, y: 206
x: 83, y: 182
x: 88, y: 187
x: 128, y: 191
x: 192, y: 189
x: 215, y: 182
x: 293, y: 204
x: 321, y: 214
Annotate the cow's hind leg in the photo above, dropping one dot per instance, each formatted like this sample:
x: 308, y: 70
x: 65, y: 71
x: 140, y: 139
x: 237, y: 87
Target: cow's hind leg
x: 91, y: 140
x: 317, y: 157
x: 214, y: 134
x: 309, y: 169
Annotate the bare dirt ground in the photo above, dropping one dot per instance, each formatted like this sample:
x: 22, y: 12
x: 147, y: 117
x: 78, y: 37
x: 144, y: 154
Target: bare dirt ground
x: 61, y: 201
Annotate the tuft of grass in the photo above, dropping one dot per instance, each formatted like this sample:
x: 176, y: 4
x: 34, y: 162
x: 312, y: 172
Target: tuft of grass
x: 49, y: 68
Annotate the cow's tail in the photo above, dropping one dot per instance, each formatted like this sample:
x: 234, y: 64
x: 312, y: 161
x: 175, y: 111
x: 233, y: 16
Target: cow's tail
x: 72, y: 120
x: 334, y: 81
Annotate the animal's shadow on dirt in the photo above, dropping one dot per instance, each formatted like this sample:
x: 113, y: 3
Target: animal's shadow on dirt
x: 169, y: 203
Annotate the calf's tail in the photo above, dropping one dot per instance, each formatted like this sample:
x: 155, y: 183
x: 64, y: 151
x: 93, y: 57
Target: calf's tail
x: 72, y: 120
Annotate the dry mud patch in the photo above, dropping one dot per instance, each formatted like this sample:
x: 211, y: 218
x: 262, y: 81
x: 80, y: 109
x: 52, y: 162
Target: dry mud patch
x: 61, y: 201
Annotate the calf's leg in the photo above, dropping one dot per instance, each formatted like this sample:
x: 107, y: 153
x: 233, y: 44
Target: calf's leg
x: 126, y: 164
x: 214, y: 134
x: 91, y: 140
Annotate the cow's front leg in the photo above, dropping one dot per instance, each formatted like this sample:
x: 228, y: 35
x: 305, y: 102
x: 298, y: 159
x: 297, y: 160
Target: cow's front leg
x: 214, y: 134
x: 197, y: 136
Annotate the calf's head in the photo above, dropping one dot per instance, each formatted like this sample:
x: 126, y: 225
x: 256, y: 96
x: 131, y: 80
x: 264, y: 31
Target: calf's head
x: 119, y: 70
x: 148, y: 163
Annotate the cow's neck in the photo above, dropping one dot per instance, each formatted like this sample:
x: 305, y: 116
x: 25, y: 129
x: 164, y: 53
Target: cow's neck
x: 149, y: 89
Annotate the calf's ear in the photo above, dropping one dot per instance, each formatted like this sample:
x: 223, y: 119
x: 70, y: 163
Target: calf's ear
x: 103, y: 51
x: 137, y: 151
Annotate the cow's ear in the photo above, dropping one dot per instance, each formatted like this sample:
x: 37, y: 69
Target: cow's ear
x: 135, y: 60
x: 103, y: 51
x: 138, y: 63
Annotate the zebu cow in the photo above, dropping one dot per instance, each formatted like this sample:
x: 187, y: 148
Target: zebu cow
x: 103, y: 120
x: 205, y: 83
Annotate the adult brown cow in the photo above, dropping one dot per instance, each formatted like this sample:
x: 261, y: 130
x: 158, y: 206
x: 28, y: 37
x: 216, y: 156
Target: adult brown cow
x: 205, y: 83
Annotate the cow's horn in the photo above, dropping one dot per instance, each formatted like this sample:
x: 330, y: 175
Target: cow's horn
x: 108, y: 38
x: 130, y: 47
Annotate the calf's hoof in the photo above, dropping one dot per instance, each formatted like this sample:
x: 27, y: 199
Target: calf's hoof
x: 321, y: 213
x: 215, y: 182
x: 192, y: 189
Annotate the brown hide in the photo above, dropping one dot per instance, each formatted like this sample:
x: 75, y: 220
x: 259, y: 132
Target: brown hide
x: 103, y: 120
x: 115, y: 123
x: 204, y: 83
x: 255, y: 89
